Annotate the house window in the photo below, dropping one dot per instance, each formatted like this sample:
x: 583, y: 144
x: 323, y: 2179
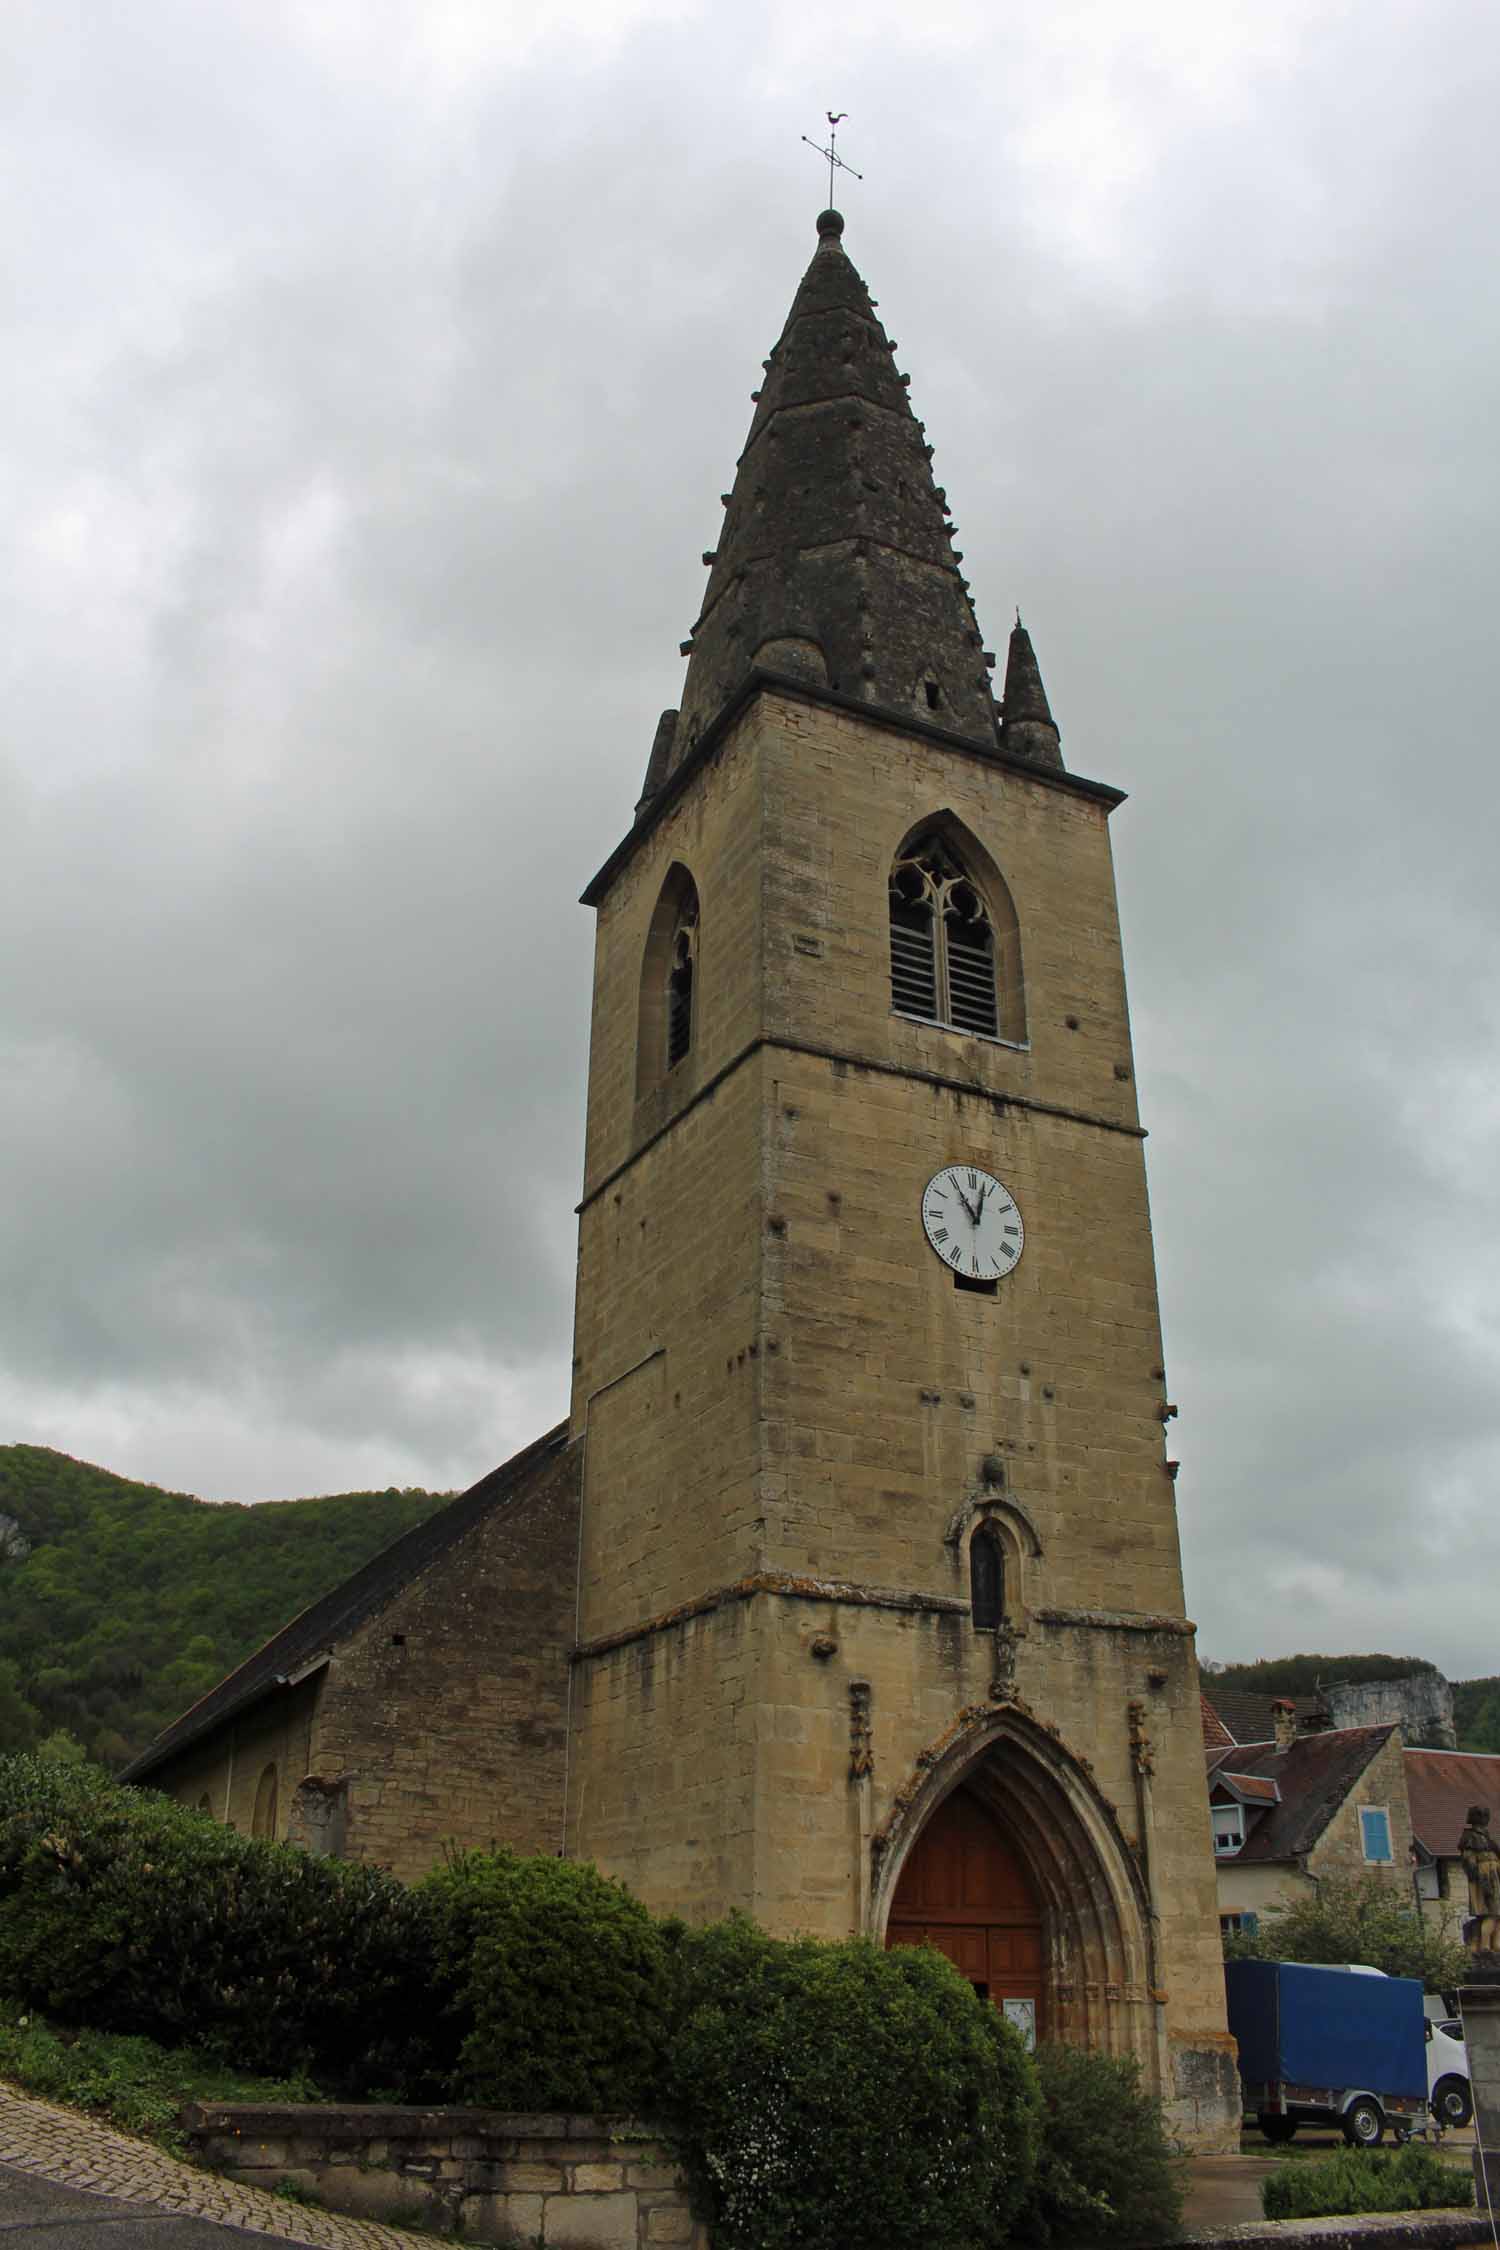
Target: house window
x: 1375, y: 1834
x: 942, y: 942
x: 1238, y: 1925
x: 986, y: 1577
x: 1428, y: 1881
x: 1229, y: 1830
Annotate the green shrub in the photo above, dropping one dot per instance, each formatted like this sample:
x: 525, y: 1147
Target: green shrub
x: 1106, y: 2171
x: 824, y: 2094
x: 1357, y: 2179
x: 129, y: 1913
x: 557, y: 1982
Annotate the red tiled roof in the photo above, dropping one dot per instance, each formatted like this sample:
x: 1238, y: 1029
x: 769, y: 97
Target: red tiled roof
x: 1255, y: 1788
x: 1440, y: 1786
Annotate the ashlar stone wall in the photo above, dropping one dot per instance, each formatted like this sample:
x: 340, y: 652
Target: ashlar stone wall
x: 560, y: 2182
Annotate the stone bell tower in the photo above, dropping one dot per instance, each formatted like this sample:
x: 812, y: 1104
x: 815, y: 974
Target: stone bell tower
x: 881, y: 1621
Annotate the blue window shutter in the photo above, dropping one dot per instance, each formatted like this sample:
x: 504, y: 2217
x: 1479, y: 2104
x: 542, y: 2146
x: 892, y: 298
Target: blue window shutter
x: 1376, y: 1827
x: 1250, y: 1923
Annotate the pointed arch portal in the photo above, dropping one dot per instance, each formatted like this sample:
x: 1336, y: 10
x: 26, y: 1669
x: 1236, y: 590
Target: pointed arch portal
x: 1007, y: 1858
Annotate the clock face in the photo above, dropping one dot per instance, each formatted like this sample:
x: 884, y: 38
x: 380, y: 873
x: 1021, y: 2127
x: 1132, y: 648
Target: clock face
x: 972, y: 1222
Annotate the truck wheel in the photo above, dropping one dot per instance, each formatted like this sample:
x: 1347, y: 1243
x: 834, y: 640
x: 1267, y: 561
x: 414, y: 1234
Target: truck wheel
x: 1364, y: 2123
x: 1452, y: 2103
x: 1276, y: 2127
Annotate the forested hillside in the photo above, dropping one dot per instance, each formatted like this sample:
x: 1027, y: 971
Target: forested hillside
x: 121, y: 1604
x: 1476, y: 1703
x: 1300, y: 1675
x: 1476, y: 1713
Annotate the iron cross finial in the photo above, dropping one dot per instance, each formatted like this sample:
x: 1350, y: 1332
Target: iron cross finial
x: 830, y: 154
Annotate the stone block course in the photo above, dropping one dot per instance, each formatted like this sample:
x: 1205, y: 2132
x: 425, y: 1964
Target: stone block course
x: 496, y: 2176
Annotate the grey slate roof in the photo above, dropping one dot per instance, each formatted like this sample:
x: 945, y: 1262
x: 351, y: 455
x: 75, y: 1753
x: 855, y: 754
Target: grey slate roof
x: 1315, y: 1775
x: 836, y: 559
x: 345, y: 1608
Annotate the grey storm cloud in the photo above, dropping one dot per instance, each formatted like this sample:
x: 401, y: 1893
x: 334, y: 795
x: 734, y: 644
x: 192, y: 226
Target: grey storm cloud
x: 372, y: 379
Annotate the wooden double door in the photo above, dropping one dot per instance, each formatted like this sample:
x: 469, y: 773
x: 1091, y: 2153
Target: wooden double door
x: 964, y: 1890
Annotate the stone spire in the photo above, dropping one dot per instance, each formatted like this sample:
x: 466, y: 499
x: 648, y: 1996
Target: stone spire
x: 836, y: 563
x: 1027, y: 729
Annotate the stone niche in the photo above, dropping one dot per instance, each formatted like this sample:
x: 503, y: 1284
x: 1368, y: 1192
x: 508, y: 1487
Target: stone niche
x: 482, y: 2175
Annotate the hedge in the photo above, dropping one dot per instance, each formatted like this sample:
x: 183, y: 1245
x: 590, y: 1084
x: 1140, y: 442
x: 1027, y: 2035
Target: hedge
x: 1357, y: 2179
x: 554, y: 1985
x: 1107, y: 2172
x: 127, y: 1912
x: 824, y: 2094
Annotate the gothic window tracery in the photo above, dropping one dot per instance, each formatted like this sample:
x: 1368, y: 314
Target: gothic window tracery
x: 942, y: 941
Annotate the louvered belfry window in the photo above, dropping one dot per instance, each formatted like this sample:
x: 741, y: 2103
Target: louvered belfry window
x: 680, y: 983
x: 942, y: 942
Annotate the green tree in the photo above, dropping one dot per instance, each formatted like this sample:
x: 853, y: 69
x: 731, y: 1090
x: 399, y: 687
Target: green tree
x: 20, y: 1721
x: 1476, y: 1714
x: 1300, y: 1675
x: 1353, y: 1918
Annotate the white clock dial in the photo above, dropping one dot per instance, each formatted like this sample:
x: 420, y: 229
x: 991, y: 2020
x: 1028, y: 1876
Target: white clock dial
x: 972, y: 1221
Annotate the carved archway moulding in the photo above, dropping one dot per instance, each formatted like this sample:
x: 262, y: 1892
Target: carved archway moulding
x: 1099, y: 1961
x: 988, y: 1502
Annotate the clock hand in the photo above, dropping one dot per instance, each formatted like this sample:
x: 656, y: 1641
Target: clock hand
x: 979, y: 1213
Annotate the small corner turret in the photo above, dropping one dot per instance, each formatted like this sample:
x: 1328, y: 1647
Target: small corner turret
x: 1027, y: 728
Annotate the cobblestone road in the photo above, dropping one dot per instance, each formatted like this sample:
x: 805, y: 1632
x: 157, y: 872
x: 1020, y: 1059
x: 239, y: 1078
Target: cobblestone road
x: 58, y: 2144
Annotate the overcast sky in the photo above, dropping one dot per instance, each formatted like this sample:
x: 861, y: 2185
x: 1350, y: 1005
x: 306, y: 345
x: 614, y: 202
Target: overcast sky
x: 370, y: 375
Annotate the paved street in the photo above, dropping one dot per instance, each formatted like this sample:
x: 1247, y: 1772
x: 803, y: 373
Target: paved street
x: 69, y: 2181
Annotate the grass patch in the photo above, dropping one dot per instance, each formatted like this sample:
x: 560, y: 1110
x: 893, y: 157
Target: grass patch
x: 1357, y: 2179
x: 136, y: 2084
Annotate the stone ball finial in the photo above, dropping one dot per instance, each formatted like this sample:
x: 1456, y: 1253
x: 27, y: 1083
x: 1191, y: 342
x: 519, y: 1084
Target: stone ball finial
x: 830, y: 225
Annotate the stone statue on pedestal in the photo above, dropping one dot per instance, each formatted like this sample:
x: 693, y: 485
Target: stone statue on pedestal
x: 1481, y: 1858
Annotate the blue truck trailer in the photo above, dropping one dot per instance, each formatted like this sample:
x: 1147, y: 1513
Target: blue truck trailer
x: 1322, y: 2047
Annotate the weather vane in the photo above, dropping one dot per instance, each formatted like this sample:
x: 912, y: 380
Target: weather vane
x: 830, y: 154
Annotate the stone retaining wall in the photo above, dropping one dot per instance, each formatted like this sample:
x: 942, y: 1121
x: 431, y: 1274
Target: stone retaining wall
x: 568, y: 2183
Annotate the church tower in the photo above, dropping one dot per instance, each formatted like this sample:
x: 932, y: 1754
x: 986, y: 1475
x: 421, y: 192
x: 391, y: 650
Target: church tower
x: 881, y: 1621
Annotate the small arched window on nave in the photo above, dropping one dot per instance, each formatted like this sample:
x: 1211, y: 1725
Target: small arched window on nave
x: 987, y: 1578
x: 955, y: 944
x: 263, y: 1819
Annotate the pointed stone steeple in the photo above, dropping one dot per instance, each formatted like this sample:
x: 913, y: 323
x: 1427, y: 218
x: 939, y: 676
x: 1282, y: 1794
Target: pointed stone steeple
x: 836, y: 564
x: 1027, y: 729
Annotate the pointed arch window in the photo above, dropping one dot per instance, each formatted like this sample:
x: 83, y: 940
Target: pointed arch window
x: 263, y: 1819
x: 987, y: 1578
x: 680, y: 977
x: 670, y: 999
x: 943, y: 952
